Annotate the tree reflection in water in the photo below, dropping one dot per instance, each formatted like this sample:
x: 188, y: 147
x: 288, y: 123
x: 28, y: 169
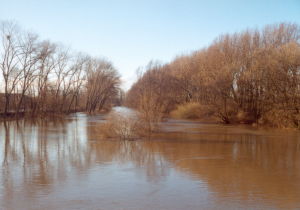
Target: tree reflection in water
x: 249, y: 166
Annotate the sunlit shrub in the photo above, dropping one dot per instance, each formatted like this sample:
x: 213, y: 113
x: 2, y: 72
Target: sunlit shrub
x: 192, y: 111
x: 281, y: 118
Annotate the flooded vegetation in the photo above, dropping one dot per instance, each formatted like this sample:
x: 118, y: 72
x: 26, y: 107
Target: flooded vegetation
x: 199, y: 132
x: 251, y: 77
x: 122, y: 124
x: 67, y: 164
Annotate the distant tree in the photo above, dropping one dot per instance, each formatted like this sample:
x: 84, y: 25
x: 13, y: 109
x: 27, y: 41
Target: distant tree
x: 102, y: 84
x: 41, y: 77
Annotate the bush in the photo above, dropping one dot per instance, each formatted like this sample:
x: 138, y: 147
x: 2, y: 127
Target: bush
x: 281, y: 118
x: 127, y: 126
x: 192, y: 111
x: 121, y: 126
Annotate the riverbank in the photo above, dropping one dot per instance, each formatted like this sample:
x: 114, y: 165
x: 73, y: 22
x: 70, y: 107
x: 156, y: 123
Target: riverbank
x: 203, y: 120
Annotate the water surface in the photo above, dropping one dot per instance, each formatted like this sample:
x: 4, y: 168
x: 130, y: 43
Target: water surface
x: 63, y: 164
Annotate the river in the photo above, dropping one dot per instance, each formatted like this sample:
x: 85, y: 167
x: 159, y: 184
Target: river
x: 63, y: 164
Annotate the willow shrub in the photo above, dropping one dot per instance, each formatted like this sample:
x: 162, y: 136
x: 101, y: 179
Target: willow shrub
x: 192, y: 110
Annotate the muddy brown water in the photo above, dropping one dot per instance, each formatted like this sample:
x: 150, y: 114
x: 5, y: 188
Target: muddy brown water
x: 65, y: 165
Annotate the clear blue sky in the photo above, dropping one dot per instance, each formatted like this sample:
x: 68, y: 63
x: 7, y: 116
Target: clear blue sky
x: 131, y: 33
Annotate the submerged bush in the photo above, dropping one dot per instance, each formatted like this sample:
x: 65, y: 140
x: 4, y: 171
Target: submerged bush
x: 122, y: 126
x: 127, y: 126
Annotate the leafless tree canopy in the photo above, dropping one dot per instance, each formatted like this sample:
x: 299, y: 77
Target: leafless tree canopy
x: 40, y: 77
x: 249, y: 77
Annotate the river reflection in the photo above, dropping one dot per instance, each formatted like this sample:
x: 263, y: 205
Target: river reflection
x: 64, y: 164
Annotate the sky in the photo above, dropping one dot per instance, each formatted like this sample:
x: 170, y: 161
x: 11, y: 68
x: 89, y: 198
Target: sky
x: 131, y: 33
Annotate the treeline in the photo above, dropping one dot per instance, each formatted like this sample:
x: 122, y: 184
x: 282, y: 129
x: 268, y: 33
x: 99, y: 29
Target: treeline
x: 247, y: 77
x: 40, y: 77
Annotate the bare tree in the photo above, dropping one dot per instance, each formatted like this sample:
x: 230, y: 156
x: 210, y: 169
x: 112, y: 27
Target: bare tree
x: 27, y: 59
x: 9, y: 60
x: 102, y: 84
x: 247, y: 77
